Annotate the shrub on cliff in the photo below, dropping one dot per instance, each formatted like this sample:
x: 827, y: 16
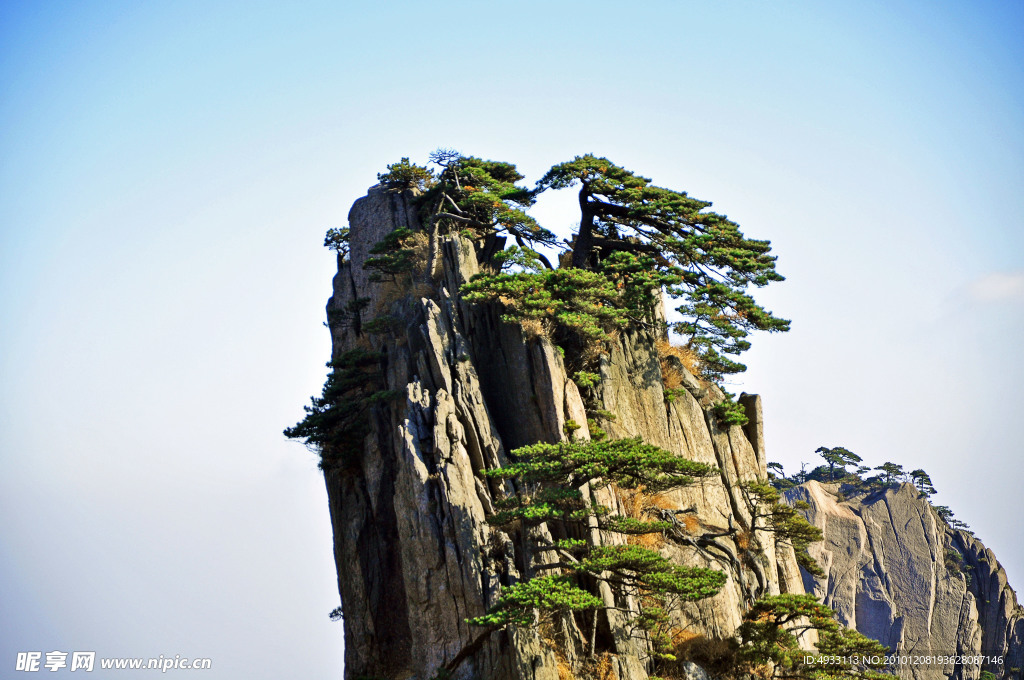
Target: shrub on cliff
x: 405, y: 175
x: 576, y: 306
x: 399, y: 252
x: 337, y: 421
x: 576, y: 299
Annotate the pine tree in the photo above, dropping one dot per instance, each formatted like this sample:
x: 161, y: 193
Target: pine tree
x: 405, y: 175
x: 892, y: 472
x: 838, y: 457
x: 337, y: 421
x: 712, y: 263
x: 923, y: 483
x: 482, y: 197
x: 769, y: 635
x: 944, y: 512
x: 551, y: 479
x: 785, y: 521
x: 568, y: 303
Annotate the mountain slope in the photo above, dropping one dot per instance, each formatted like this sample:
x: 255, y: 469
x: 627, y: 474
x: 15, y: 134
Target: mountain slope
x: 899, y: 574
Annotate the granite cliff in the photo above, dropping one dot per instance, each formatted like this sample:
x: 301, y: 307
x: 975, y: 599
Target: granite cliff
x: 414, y: 552
x: 898, y: 573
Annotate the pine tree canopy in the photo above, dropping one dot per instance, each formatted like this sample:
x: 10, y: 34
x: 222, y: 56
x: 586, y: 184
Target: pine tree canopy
x: 557, y: 471
x: 838, y: 457
x: 621, y: 212
x: 583, y: 300
x: 646, y: 569
x: 786, y: 522
x: 892, y: 471
x: 482, y: 196
x: 336, y: 422
x: 768, y: 635
x: 629, y: 463
x: 553, y: 593
x: 923, y: 482
x: 548, y: 479
x: 638, y: 237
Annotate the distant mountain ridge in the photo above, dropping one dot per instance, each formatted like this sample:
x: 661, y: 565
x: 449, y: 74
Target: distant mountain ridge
x: 898, y: 573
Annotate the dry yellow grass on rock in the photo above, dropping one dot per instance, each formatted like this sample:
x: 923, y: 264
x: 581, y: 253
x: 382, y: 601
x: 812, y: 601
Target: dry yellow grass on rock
x: 670, y: 374
x: 637, y: 504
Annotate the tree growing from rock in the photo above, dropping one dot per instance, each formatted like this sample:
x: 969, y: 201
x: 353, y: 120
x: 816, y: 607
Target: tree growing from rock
x: 769, y: 635
x: 943, y: 512
x: 404, y: 175
x: 711, y: 262
x: 923, y: 483
x: 785, y: 521
x: 482, y: 198
x: 777, y: 477
x: 568, y: 303
x: 337, y: 421
x: 638, y: 238
x: 554, y: 483
x: 891, y: 472
x: 838, y: 457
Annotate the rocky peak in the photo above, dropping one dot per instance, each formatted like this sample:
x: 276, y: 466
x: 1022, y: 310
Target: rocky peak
x: 415, y: 555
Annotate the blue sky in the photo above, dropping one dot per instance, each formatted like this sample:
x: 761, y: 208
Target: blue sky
x: 167, y: 171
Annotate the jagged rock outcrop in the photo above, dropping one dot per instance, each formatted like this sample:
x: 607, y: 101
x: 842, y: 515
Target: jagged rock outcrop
x: 414, y: 552
x: 899, y: 574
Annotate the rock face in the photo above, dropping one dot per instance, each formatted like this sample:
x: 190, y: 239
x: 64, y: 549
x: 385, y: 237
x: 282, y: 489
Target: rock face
x: 414, y: 553
x: 897, y: 573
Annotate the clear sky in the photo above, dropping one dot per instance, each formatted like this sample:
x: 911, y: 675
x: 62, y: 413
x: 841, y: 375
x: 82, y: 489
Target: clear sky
x: 167, y: 172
